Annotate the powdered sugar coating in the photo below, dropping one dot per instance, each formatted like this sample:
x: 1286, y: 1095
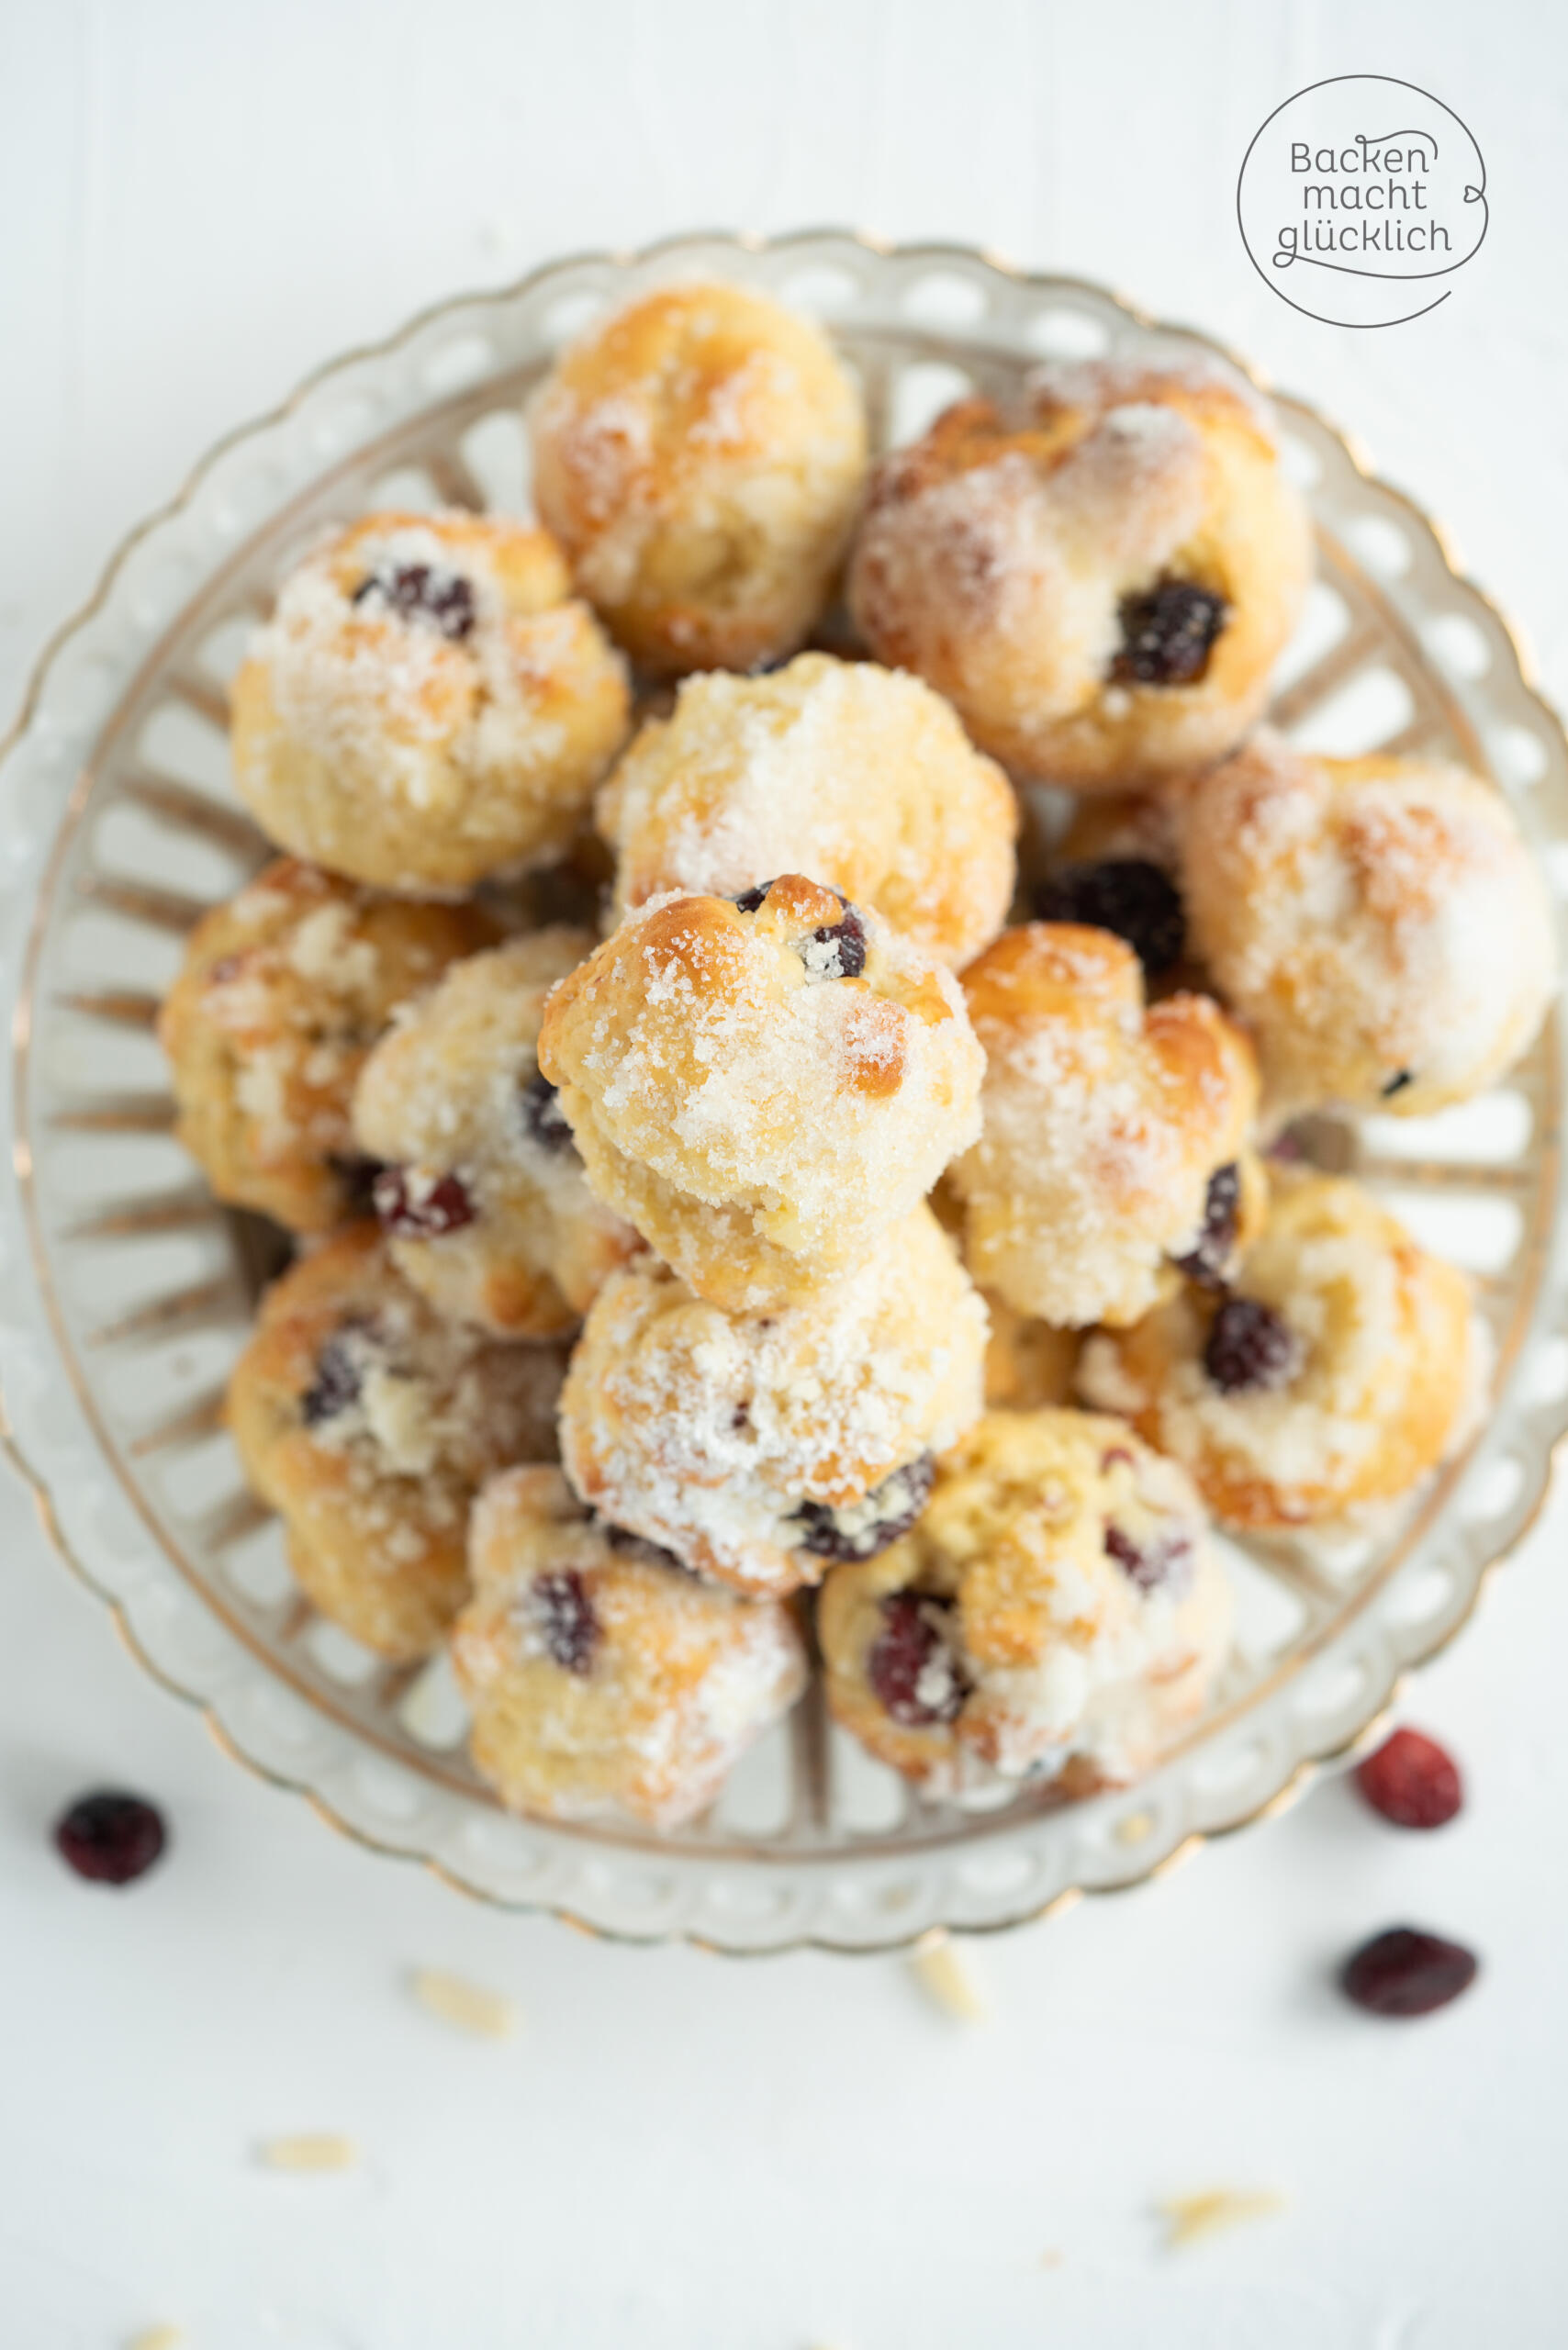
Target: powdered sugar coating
x: 446, y: 1094
x: 699, y: 454
x: 368, y: 1422
x: 680, y: 1678
x: 281, y: 994
x: 1103, y: 1122
x: 369, y: 737
x: 1188, y: 368
x: 708, y: 1431
x: 994, y: 557
x: 1077, y: 1613
x: 859, y: 777
x: 760, y: 1120
x: 1379, y: 922
x: 1384, y: 1384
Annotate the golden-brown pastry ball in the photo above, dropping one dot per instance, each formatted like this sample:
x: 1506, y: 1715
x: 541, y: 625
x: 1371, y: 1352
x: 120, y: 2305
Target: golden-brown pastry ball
x: 1057, y: 1611
x: 368, y: 1424
x: 700, y: 455
x: 1378, y: 921
x: 1104, y: 1123
x: 482, y: 1194
x: 282, y: 993
x: 856, y: 775
x: 426, y: 706
x: 1339, y: 1369
x: 603, y: 1680
x: 1100, y: 578
x: 757, y: 1447
x: 762, y: 1086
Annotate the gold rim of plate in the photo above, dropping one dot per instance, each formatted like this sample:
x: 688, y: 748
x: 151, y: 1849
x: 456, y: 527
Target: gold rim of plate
x: 909, y: 316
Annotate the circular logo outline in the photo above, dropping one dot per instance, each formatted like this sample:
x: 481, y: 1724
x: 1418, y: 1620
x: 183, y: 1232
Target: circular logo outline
x: 1363, y: 326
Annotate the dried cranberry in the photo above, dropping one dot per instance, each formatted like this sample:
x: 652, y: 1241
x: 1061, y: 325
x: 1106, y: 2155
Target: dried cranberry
x: 111, y: 1838
x: 862, y: 1528
x: 1168, y: 633
x: 423, y: 1212
x: 911, y: 1664
x: 1251, y: 1346
x: 1397, y: 1083
x: 1125, y: 894
x: 569, y: 1625
x: 423, y: 591
x: 335, y: 1385
x: 1412, y: 1781
x: 1406, y: 1973
x: 542, y: 1116
x: 750, y: 900
x: 846, y: 942
x: 1164, y: 1559
x: 1206, y: 1262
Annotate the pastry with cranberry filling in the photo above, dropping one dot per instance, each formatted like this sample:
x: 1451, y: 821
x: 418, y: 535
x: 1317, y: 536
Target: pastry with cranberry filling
x: 604, y: 1681
x: 282, y: 994
x: 482, y: 1193
x: 1379, y: 924
x: 1099, y: 577
x: 1336, y: 1371
x: 426, y: 706
x: 1114, y: 1135
x: 1057, y: 1611
x: 368, y: 1423
x: 760, y: 1447
x: 762, y: 1085
x: 699, y: 454
x: 855, y: 774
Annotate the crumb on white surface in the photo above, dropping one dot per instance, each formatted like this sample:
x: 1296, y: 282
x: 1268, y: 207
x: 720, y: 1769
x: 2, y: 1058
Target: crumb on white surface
x: 949, y: 1976
x: 1053, y: 2258
x: 1188, y: 2217
x: 310, y: 2150
x: 466, y: 2005
x: 156, y: 2337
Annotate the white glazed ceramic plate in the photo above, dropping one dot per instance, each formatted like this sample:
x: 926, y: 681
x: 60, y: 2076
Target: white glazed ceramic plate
x: 128, y: 1293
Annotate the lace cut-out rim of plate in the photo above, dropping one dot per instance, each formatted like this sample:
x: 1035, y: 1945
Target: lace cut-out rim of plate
x: 1398, y: 644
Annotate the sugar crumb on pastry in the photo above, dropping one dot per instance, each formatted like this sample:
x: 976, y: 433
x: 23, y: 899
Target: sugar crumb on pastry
x: 762, y: 1085
x: 428, y: 705
x: 860, y: 777
x: 758, y: 1446
x: 605, y: 1681
x: 1378, y: 921
x: 1099, y: 575
x: 699, y: 454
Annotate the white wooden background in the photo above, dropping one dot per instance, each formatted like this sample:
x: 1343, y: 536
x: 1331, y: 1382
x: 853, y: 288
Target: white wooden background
x: 199, y: 199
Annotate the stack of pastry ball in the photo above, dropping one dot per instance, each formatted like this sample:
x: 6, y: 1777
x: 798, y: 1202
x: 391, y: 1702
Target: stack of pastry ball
x: 717, y: 1179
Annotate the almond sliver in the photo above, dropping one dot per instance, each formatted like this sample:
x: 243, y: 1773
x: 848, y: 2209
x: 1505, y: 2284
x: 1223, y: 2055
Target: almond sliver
x: 311, y: 2150
x: 466, y: 2005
